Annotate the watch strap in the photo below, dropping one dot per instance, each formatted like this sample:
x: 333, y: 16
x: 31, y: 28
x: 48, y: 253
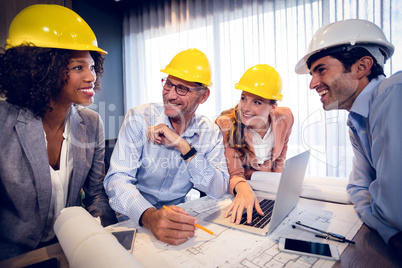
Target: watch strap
x: 189, y: 154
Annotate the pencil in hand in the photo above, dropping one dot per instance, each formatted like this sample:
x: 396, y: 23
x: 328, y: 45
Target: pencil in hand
x: 196, y: 225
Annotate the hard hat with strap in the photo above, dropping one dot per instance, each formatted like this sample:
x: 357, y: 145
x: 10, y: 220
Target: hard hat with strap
x: 352, y: 33
x: 261, y: 80
x: 52, y: 26
x: 191, y: 65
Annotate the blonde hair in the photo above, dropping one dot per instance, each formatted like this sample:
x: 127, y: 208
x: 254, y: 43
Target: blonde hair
x: 235, y: 133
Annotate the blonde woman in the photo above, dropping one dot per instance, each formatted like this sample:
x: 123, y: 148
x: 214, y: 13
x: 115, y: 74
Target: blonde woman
x: 256, y: 133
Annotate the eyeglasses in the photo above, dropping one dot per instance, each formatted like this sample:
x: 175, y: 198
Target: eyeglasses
x: 180, y: 89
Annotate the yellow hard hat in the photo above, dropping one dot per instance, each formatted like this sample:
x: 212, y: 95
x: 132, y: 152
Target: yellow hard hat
x: 52, y: 26
x: 191, y: 65
x: 261, y: 80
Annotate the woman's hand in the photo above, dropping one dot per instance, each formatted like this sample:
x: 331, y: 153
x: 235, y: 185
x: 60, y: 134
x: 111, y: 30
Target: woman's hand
x: 245, y: 199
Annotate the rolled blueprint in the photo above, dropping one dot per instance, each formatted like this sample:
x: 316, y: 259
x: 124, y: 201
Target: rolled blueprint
x: 86, y: 244
x: 332, y: 189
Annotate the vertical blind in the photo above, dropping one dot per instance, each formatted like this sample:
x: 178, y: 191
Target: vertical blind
x: 238, y: 34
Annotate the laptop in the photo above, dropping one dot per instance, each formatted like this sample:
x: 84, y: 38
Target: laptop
x: 286, y: 199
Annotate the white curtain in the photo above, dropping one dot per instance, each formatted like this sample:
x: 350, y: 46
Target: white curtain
x: 237, y: 34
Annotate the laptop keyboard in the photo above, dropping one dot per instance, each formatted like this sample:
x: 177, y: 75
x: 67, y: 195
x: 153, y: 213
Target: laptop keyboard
x: 259, y: 221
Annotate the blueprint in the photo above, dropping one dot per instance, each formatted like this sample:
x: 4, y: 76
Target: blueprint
x: 331, y: 189
x: 234, y: 248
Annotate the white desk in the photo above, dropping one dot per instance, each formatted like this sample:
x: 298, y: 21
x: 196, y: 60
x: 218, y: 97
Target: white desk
x: 237, y: 249
x: 234, y: 248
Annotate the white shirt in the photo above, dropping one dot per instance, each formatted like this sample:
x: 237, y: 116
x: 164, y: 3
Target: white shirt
x: 60, y: 181
x: 262, y: 146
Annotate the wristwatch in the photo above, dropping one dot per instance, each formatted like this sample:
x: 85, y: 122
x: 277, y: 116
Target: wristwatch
x: 189, y: 154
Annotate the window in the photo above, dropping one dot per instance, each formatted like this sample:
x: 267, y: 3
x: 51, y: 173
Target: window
x: 236, y: 35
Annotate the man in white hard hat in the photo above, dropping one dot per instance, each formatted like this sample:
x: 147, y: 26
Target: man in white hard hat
x: 345, y: 60
x: 163, y: 150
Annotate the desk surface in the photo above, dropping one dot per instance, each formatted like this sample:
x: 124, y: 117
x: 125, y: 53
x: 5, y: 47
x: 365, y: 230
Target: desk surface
x: 369, y: 251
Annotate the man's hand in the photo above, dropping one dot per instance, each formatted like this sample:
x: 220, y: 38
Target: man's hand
x: 172, y: 227
x: 162, y: 134
x: 245, y: 199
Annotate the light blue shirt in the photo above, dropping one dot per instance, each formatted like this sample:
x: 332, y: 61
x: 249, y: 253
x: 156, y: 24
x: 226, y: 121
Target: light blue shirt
x: 143, y: 174
x: 375, y: 183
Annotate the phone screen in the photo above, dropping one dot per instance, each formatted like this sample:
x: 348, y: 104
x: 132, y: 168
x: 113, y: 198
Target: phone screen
x: 125, y: 238
x: 308, y: 247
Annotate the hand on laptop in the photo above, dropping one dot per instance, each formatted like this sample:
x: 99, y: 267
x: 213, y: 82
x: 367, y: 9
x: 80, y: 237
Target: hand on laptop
x: 245, y: 199
x: 173, y: 226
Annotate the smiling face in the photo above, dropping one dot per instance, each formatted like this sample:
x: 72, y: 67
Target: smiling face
x: 337, y: 88
x: 81, y: 78
x: 254, y: 111
x: 182, y: 108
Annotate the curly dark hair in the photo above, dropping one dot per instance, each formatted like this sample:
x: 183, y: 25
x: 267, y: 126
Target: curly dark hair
x: 31, y: 76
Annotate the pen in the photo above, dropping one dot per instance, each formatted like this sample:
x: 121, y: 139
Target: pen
x: 328, y: 238
x: 339, y: 237
x: 196, y: 225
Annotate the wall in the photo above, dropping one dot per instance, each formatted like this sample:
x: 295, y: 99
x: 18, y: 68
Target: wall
x: 105, y: 20
x: 10, y: 8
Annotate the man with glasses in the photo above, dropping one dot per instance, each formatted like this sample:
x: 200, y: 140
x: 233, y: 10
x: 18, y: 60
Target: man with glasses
x: 164, y: 150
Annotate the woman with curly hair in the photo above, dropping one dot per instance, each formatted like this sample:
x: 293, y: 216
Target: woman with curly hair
x: 52, y: 147
x: 256, y: 133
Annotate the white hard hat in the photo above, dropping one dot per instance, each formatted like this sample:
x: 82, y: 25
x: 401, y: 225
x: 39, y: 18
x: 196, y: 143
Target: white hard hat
x: 352, y: 32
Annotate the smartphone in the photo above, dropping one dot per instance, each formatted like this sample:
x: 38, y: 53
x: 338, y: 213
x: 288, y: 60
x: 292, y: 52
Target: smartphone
x: 314, y: 249
x: 125, y: 238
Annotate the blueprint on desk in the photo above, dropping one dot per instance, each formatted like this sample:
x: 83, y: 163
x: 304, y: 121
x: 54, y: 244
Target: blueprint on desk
x: 234, y: 248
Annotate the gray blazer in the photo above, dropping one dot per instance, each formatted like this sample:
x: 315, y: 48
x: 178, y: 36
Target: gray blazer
x: 25, y: 183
